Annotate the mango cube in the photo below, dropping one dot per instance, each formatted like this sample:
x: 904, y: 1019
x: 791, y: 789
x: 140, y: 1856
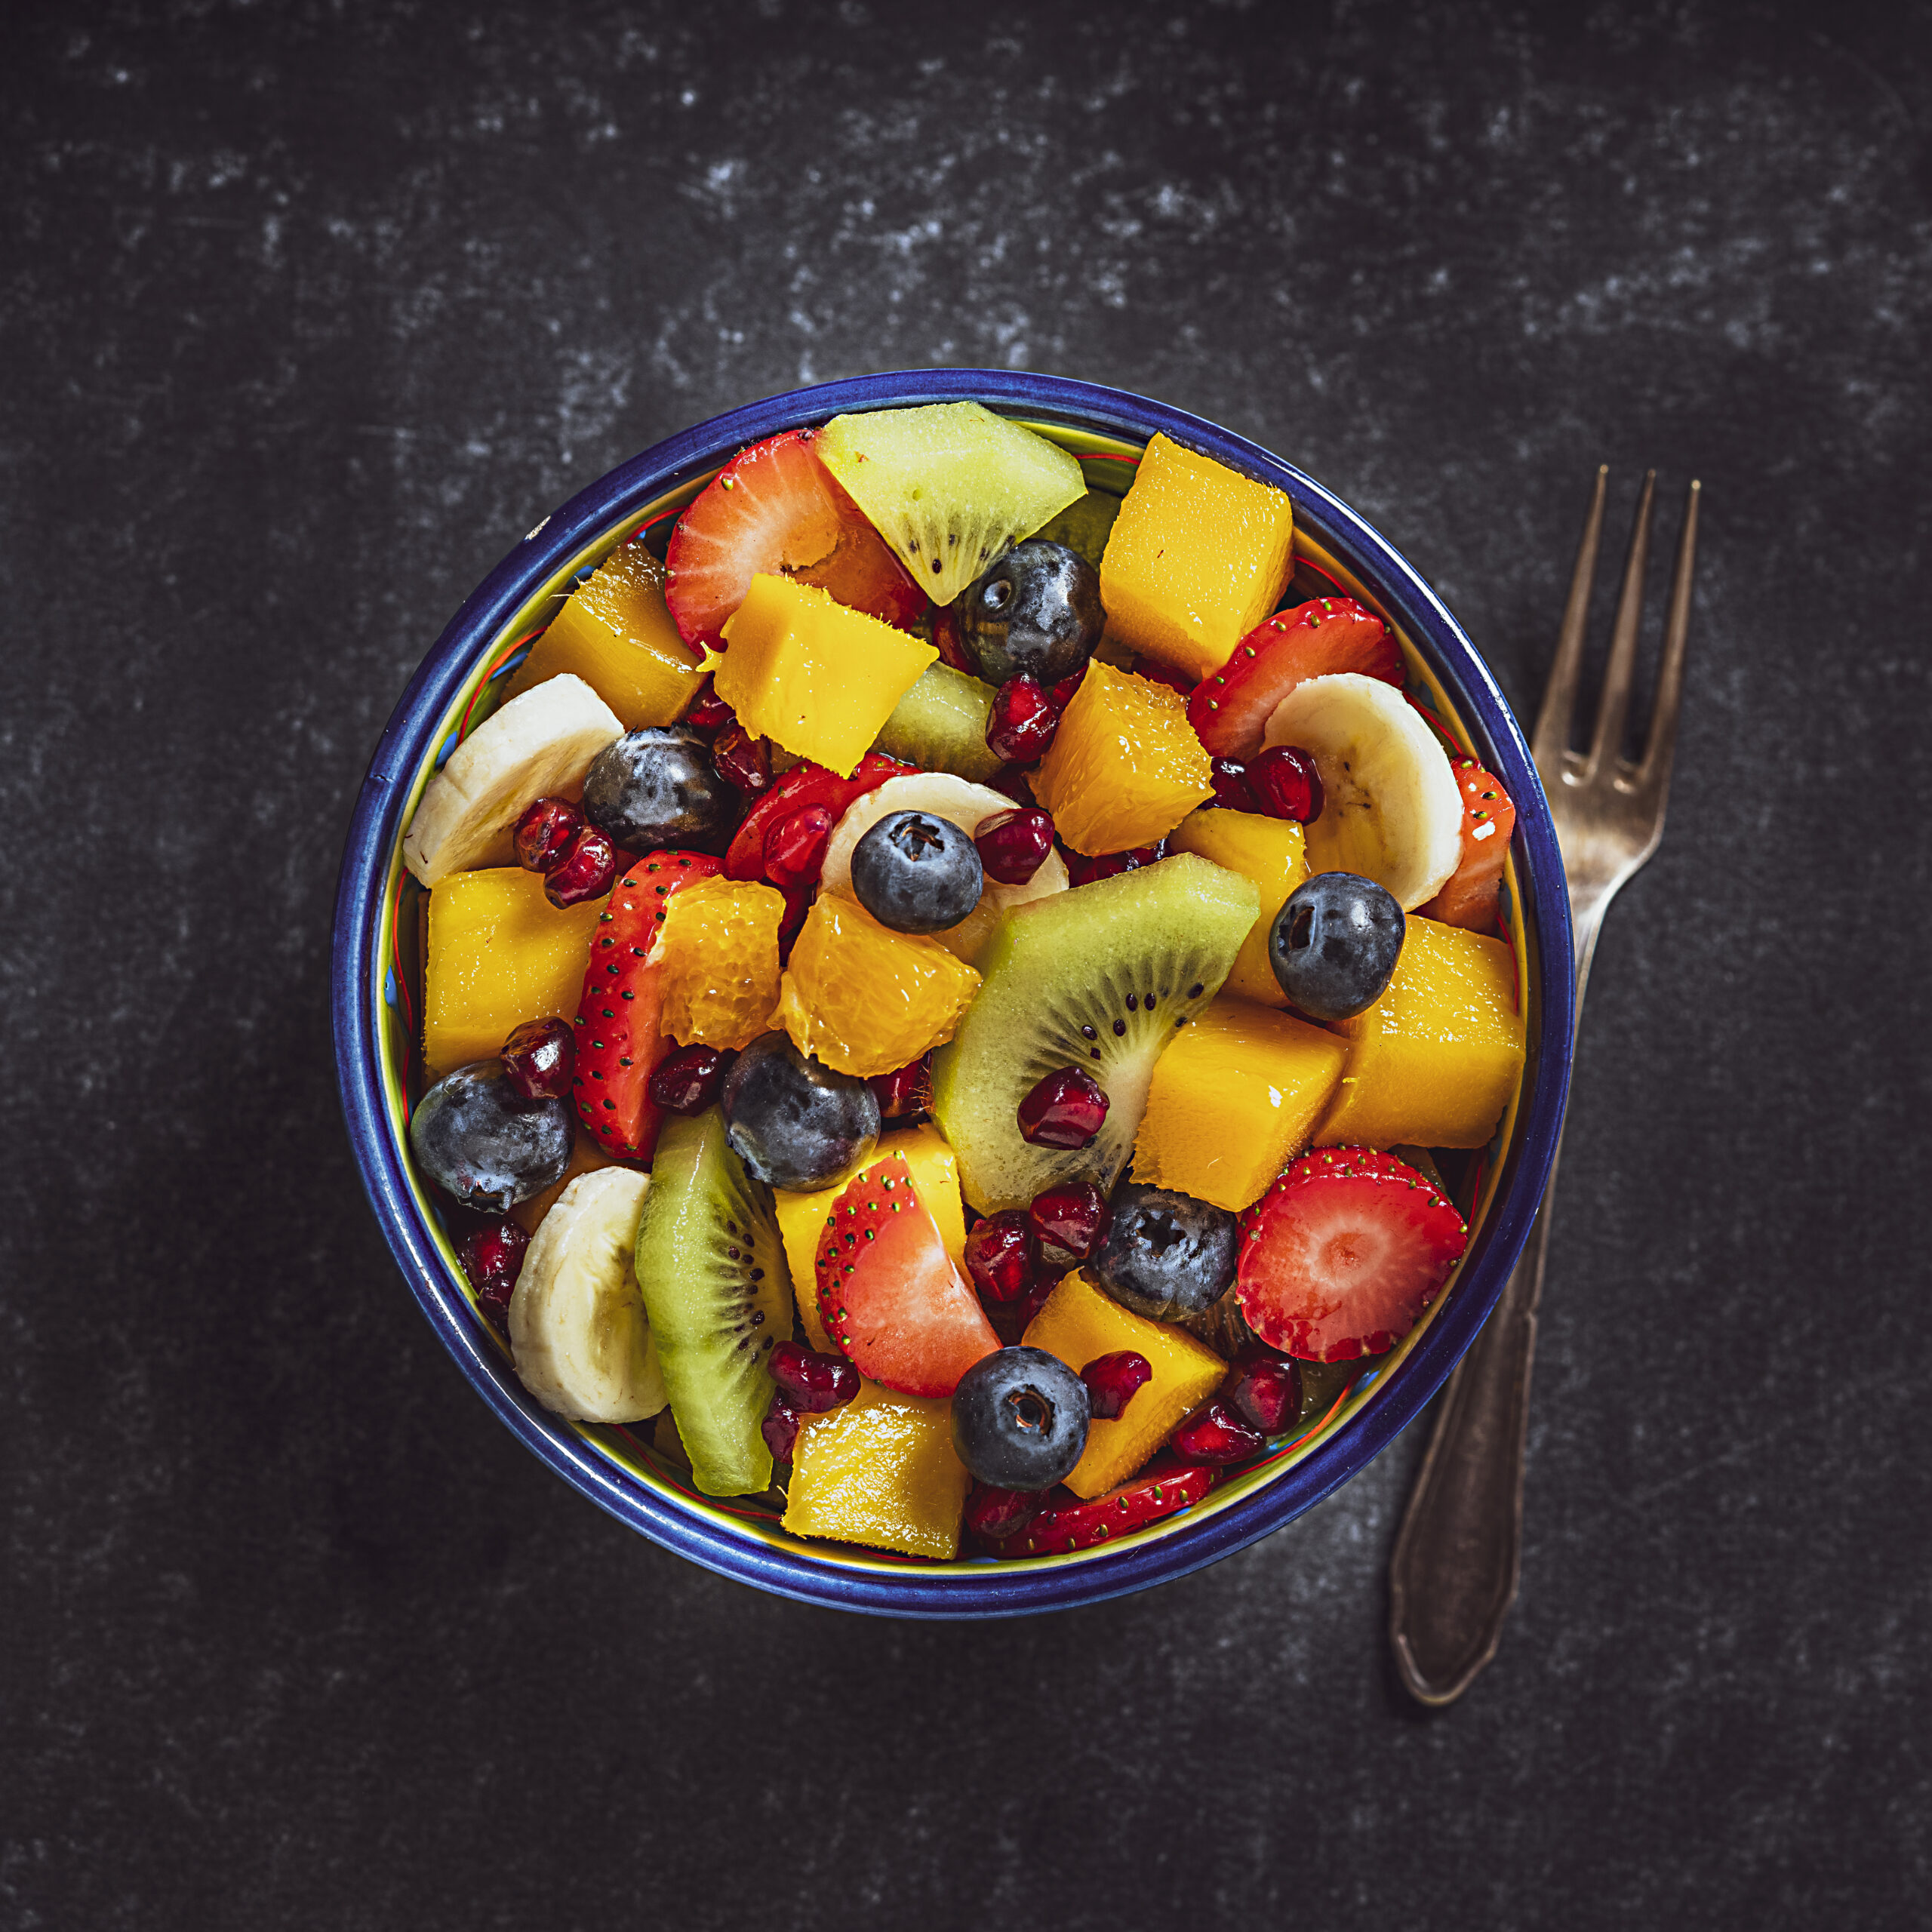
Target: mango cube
x: 1436, y: 1058
x: 1271, y: 851
x: 1079, y: 1324
x: 1234, y: 1099
x: 816, y: 677
x: 499, y: 954
x: 882, y: 1471
x: 718, y: 950
x: 615, y: 633
x: 1198, y: 556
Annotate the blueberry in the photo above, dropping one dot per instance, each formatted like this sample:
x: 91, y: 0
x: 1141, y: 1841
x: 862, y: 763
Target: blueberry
x: 1166, y: 1256
x: 917, y: 873
x: 656, y: 788
x: 795, y: 1123
x: 478, y: 1139
x: 1019, y: 1419
x: 1334, y: 944
x: 1037, y: 609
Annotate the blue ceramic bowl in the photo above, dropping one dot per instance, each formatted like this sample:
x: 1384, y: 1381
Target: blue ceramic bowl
x: 376, y: 991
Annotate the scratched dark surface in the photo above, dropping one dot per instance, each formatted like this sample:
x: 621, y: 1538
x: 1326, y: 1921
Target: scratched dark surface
x: 307, y: 313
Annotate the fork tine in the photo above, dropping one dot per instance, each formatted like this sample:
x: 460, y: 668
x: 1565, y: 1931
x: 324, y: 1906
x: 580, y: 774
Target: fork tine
x: 1614, y: 707
x: 1551, y: 737
x: 1654, y: 774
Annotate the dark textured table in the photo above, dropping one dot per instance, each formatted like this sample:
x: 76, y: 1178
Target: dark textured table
x: 309, y: 312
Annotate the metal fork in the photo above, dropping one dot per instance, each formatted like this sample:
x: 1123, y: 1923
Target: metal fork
x: 1453, y: 1576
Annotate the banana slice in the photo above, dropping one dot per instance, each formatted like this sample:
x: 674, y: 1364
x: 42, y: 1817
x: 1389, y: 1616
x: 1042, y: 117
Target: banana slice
x: 1390, y: 811
x: 968, y: 806
x: 539, y: 744
x: 577, y: 1328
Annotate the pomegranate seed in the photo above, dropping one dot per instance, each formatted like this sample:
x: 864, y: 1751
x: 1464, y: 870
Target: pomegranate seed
x: 1156, y: 673
x: 1010, y: 1320
x: 493, y: 1302
x: 687, y: 1079
x: 539, y: 1057
x: 1212, y: 1434
x: 1265, y: 1390
x: 812, y: 1384
x: 1059, y: 695
x: 996, y: 1514
x: 1023, y: 721
x: 1232, y: 792
x: 908, y: 1090
x: 493, y: 1250
x: 1113, y: 1381
x: 999, y: 1255
x: 794, y: 846
x: 1286, y: 784
x: 741, y: 760
x: 951, y: 646
x: 1068, y: 1222
x: 710, y: 713
x: 1084, y: 871
x: 1066, y: 1109
x: 779, y: 1429
x: 586, y: 871
x: 544, y: 833
x: 1014, y: 845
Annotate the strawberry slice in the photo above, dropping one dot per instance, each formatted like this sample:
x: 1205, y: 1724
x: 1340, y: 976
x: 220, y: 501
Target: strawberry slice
x: 1163, y: 1488
x: 1230, y: 710
x: 776, y: 508
x: 1488, y: 819
x: 804, y: 785
x: 619, y: 1041
x: 1343, y: 1253
x: 888, y: 1292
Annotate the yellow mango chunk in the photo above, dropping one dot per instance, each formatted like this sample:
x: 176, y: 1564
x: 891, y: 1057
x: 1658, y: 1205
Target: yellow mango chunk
x: 865, y: 999
x: 1079, y: 1324
x: 499, y: 954
x: 615, y: 633
x: 1233, y: 1100
x: 1271, y: 851
x: 813, y: 676
x: 1198, y: 556
x: 802, y: 1217
x: 881, y: 1470
x: 719, y: 949
x: 1125, y: 767
x: 1436, y: 1058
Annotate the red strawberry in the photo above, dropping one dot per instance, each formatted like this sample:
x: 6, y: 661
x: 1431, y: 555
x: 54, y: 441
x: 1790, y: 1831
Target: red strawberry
x: 1163, y: 1488
x: 888, y: 1292
x: 1230, y: 708
x: 1488, y: 818
x: 804, y: 785
x: 619, y: 1043
x: 776, y: 508
x: 1342, y: 1253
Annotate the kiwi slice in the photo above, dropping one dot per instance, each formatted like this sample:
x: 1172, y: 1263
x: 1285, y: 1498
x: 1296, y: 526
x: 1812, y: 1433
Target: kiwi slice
x: 950, y: 485
x: 1098, y: 977
x: 940, y: 725
x: 1084, y: 525
x: 719, y: 1296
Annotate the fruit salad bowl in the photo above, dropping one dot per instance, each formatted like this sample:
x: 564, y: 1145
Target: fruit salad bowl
x: 377, y: 994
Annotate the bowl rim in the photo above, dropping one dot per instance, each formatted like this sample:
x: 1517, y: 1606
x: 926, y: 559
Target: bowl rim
x: 957, y: 1591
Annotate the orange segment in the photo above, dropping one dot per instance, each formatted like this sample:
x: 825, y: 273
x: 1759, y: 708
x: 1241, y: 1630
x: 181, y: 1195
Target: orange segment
x: 719, y: 952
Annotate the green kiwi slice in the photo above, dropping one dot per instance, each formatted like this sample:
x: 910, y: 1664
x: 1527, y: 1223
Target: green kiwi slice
x: 1098, y: 977
x: 1084, y: 525
x: 719, y: 1295
x: 940, y: 725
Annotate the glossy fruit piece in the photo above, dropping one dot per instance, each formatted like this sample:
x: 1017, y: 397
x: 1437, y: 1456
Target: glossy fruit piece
x: 1013, y: 845
x: 1469, y: 899
x: 780, y: 1428
x: 941, y: 724
x: 708, y: 712
x: 794, y: 846
x: 803, y: 786
x: 1065, y: 1109
x: 545, y: 833
x: 587, y: 870
x: 1084, y: 871
x: 655, y: 790
x: 486, y: 1146
x: 494, y: 1247
x: 915, y: 872
x: 1067, y: 1222
x: 687, y: 1081
x: 890, y: 1295
x: 1165, y: 1255
x: 1334, y: 945
x: 1230, y: 708
x: 810, y: 1382
x: 1125, y: 767
x: 741, y: 760
x: 1019, y: 1419
x: 1113, y: 1381
x: 1021, y: 724
x: 1000, y: 1255
x: 1343, y: 1254
x: 774, y: 508
x: 795, y: 1122
x: 540, y: 1059
x: 1286, y: 783
x: 1036, y: 610
x: 718, y: 952
x: 906, y: 1091
x: 1273, y: 853
x: 1232, y: 791
x: 881, y: 1470
x: 619, y: 1042
x: 1215, y: 1435
x: 993, y: 1514
x: 586, y: 1157
x: 1263, y: 1390
x: 1163, y: 1489
x: 493, y: 1302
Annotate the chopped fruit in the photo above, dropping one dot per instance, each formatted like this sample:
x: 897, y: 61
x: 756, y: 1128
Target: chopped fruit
x: 941, y: 724
x: 780, y: 1428
x: 1271, y: 851
x: 586, y: 1157
x: 1021, y: 722
x: 493, y: 1302
x: 1036, y: 610
x: 907, y: 1090
x: 1067, y: 1109
x: 1197, y: 557
x: 1068, y: 1221
x: 1232, y: 789
x: 615, y: 633
x: 1264, y: 1389
x: 864, y: 999
x: 1334, y: 943
x: 773, y: 509
x: 916, y: 872
x: 1436, y: 1060
x: 1110, y: 865
x: 1488, y: 819
x: 741, y: 760
x: 890, y: 1295
x: 656, y: 789
x: 999, y: 1255
x: 618, y: 1038
x: 950, y: 485
x: 1164, y: 1490
x: 492, y: 1249
x: 1230, y: 708
x: 708, y: 712
x: 545, y: 833
x: 687, y: 1081
x: 1019, y: 1419
x: 794, y: 846
x: 1344, y: 1253
x: 881, y: 1470
x: 1013, y: 845
x: 500, y: 953
x: 794, y: 1122
x: 585, y: 872
x: 1113, y: 1381
x: 1165, y: 1255
x: 803, y: 786
x: 1125, y: 767
x: 486, y: 1146
x: 1285, y: 783
x: 1084, y: 524
x: 1233, y: 1100
x: 540, y: 1057
x: 813, y: 676
x: 1213, y: 1434
x: 812, y: 1384
x: 1079, y: 1324
x: 718, y: 952
x: 993, y: 1514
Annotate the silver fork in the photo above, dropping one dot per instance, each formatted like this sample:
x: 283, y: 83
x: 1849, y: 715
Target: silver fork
x: 1453, y: 1576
